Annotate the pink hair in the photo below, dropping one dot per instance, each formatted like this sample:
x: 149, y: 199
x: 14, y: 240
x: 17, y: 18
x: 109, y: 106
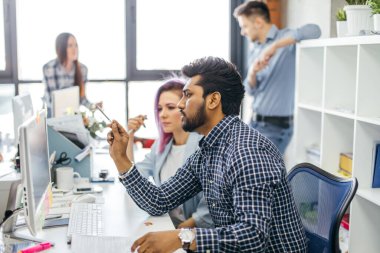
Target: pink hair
x: 173, y: 84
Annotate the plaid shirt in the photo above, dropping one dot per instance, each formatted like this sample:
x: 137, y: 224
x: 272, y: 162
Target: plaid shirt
x: 56, y: 78
x: 243, y: 178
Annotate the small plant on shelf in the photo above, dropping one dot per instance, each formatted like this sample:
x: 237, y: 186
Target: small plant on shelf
x: 341, y: 15
x: 375, y: 6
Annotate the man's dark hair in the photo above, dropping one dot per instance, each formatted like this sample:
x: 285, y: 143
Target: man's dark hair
x: 218, y: 75
x: 250, y: 8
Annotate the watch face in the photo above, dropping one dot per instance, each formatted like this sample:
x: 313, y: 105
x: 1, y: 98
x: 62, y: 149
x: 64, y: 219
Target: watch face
x: 186, y: 235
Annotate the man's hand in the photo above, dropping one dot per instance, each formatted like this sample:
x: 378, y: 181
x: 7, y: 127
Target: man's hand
x: 256, y: 67
x: 189, y: 223
x: 118, y: 140
x: 267, y: 54
x: 165, y: 241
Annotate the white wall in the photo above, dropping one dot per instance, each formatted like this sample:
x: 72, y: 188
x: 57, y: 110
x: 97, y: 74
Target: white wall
x: 300, y: 12
x: 321, y: 12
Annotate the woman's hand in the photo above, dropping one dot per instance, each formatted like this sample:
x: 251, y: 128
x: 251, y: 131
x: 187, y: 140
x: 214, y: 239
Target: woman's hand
x: 189, y: 223
x: 135, y: 123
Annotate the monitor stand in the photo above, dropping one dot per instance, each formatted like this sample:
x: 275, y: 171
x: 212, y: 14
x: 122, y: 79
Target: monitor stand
x: 9, y: 233
x: 8, y: 226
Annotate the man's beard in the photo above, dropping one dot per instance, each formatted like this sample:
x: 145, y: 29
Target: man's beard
x: 190, y: 124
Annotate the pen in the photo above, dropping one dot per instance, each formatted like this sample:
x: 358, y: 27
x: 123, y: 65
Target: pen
x: 37, y: 248
x: 97, y: 107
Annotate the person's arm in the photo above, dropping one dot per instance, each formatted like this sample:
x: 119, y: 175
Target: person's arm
x: 256, y: 67
x: 309, y: 31
x: 118, y: 139
x: 154, y: 200
x: 146, y: 167
x: 252, y: 202
x: 49, y: 81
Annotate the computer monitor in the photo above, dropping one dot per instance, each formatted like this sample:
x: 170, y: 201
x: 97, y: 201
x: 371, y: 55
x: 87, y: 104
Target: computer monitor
x: 35, y: 171
x: 22, y: 110
x: 65, y: 101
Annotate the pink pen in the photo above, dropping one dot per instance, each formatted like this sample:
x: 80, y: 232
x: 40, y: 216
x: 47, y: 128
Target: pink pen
x: 37, y: 248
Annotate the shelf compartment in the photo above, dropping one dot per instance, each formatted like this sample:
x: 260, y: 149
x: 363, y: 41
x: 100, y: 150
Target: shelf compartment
x: 310, y: 78
x: 340, y: 83
x: 364, y: 226
x: 368, y: 78
x: 338, y: 135
x: 366, y: 136
x: 308, y: 134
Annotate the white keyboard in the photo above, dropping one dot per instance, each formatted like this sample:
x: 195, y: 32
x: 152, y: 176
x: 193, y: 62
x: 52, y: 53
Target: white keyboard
x: 85, y: 219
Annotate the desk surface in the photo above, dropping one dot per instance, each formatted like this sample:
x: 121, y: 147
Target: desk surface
x: 122, y: 216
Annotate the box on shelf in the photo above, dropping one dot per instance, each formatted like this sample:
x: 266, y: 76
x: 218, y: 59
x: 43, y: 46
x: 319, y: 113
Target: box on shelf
x: 376, y: 167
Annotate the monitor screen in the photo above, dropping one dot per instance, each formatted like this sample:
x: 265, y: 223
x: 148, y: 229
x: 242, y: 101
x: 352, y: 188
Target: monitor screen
x: 35, y: 169
x: 22, y: 110
x: 65, y: 101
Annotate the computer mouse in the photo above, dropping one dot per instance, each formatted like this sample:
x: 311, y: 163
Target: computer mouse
x: 85, y: 198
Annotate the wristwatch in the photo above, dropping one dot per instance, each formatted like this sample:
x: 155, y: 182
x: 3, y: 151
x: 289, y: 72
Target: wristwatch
x: 187, y: 236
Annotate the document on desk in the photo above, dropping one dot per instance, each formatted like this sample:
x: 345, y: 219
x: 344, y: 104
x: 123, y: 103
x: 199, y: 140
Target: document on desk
x: 100, y: 244
x: 71, y: 124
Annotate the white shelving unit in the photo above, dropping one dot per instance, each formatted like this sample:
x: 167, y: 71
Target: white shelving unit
x: 338, y: 110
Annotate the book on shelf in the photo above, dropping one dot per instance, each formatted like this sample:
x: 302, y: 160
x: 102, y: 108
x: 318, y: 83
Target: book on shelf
x: 345, y: 162
x: 376, y: 166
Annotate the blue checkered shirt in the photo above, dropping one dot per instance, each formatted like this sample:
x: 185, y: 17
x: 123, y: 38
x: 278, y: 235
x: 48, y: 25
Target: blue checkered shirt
x: 56, y: 78
x: 243, y: 178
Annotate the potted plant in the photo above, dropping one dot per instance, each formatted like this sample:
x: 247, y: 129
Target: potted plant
x: 358, y: 16
x: 341, y: 23
x: 375, y: 6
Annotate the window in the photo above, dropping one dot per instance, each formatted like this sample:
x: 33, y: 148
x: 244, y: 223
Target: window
x: 172, y: 33
x: 141, y: 101
x: 2, y: 38
x: 98, y: 25
x: 6, y: 18
x: 7, y: 92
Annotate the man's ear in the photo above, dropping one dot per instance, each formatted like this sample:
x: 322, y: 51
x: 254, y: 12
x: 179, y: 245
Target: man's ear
x: 214, y: 100
x: 258, y: 22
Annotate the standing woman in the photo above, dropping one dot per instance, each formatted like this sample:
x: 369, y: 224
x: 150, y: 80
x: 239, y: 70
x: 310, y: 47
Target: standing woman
x: 65, y: 71
x: 169, y: 153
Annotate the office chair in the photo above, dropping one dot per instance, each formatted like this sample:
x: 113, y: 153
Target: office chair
x: 321, y: 199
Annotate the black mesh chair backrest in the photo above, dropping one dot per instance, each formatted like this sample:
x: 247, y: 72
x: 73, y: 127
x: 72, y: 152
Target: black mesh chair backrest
x: 321, y: 200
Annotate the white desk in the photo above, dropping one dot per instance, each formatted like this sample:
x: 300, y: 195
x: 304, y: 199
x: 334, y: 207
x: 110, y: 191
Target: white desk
x: 122, y: 216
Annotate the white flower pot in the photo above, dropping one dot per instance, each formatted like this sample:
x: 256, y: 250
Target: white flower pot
x: 341, y: 28
x: 376, y: 22
x: 358, y: 18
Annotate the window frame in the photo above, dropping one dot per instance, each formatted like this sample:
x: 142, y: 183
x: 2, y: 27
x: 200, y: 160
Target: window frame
x: 8, y: 75
x: 133, y: 74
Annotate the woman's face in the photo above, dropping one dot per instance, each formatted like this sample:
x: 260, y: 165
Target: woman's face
x: 72, y: 49
x: 168, y: 112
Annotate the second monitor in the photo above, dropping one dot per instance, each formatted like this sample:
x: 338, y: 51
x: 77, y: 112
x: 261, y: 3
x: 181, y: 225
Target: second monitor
x: 65, y: 101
